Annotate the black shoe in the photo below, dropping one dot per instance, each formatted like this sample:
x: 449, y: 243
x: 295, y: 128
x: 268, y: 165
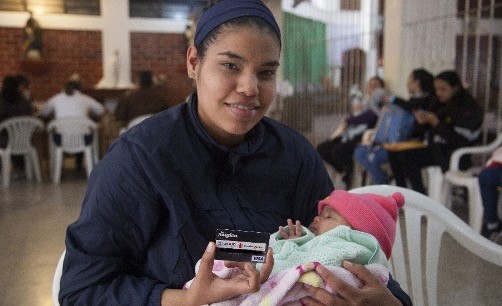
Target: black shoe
x: 485, y: 232
x: 497, y: 238
x: 347, y: 180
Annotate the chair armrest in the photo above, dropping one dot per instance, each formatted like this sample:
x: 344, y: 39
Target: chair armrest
x: 458, y: 153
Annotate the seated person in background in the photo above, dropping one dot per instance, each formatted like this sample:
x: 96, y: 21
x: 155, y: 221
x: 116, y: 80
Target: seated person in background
x: 142, y: 101
x: 420, y: 85
x: 13, y: 103
x: 24, y: 88
x: 374, y: 94
x: 359, y: 228
x: 490, y: 181
x: 455, y: 124
x: 372, y: 156
x: 339, y: 149
x: 72, y: 103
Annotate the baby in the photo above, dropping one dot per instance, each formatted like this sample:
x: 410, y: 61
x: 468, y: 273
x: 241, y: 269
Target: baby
x: 359, y: 228
x: 354, y: 227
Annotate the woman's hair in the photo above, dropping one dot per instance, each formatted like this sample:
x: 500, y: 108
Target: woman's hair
x: 239, y: 22
x: 22, y: 79
x: 451, y: 77
x: 71, y: 86
x: 425, y: 78
x: 10, y: 89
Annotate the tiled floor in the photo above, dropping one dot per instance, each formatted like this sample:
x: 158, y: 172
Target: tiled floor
x: 33, y: 219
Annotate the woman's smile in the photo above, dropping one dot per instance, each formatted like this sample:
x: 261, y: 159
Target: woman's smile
x: 243, y: 110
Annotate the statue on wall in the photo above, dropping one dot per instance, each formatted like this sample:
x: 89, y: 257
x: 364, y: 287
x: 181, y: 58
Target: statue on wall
x: 32, y: 45
x: 190, y: 29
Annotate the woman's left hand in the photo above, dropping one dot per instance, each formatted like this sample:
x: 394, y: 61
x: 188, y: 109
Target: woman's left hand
x: 208, y: 288
x: 373, y: 291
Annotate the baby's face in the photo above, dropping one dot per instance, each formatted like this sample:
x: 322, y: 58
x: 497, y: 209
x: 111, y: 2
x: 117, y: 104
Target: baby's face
x: 327, y: 220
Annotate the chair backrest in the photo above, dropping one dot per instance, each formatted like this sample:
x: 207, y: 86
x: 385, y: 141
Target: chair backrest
x: 458, y: 153
x: 20, y: 130
x: 410, y: 246
x: 56, y: 281
x: 72, y: 131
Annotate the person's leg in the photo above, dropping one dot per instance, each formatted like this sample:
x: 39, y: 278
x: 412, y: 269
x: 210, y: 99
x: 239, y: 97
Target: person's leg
x: 408, y: 165
x: 376, y: 159
x: 417, y: 160
x: 80, y: 156
x: 343, y: 160
x: 489, y: 179
x: 397, y: 161
x: 361, y: 153
x: 361, y: 157
x: 325, y: 151
x: 18, y: 162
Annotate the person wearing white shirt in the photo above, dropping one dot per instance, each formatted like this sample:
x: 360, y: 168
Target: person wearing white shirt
x: 72, y: 103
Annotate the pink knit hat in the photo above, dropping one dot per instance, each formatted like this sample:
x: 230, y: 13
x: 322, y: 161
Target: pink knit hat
x: 369, y: 213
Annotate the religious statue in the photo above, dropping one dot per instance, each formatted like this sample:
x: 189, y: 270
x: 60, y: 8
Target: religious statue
x: 32, y: 45
x: 190, y: 28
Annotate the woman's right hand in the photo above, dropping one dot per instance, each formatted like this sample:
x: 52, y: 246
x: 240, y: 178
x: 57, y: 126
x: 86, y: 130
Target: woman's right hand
x: 208, y: 288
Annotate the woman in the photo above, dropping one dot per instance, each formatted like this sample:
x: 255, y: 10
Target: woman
x: 165, y: 186
x: 454, y: 124
x: 373, y: 156
x: 338, y: 151
x: 13, y: 103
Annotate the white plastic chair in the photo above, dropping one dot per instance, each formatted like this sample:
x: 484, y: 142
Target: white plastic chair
x: 5, y: 156
x: 468, y: 179
x: 406, y: 262
x: 56, y: 282
x: 72, y: 131
x: 20, y: 130
x: 435, y: 177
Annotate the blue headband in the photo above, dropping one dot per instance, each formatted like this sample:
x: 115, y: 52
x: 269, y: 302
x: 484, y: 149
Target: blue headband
x: 231, y: 9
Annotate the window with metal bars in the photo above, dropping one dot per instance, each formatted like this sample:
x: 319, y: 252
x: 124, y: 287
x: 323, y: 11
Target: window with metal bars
x: 81, y: 7
x: 350, y: 5
x: 172, y: 9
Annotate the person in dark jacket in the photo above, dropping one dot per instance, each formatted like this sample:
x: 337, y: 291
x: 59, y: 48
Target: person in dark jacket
x: 338, y: 151
x: 155, y: 200
x: 13, y: 103
x: 373, y: 155
x: 456, y: 123
x: 143, y: 101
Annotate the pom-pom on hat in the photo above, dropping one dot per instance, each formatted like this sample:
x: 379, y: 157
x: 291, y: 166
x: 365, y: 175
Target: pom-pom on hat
x: 369, y: 213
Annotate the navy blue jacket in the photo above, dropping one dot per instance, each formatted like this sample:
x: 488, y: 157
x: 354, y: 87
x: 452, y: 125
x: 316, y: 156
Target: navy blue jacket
x: 161, y: 191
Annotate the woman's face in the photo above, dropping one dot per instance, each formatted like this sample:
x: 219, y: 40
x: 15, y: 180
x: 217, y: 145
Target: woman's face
x: 413, y: 85
x: 444, y: 91
x: 373, y: 84
x: 235, y: 81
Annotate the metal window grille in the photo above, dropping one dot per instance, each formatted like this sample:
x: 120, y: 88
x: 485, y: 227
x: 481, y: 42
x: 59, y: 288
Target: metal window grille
x: 436, y: 35
x: 83, y: 7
